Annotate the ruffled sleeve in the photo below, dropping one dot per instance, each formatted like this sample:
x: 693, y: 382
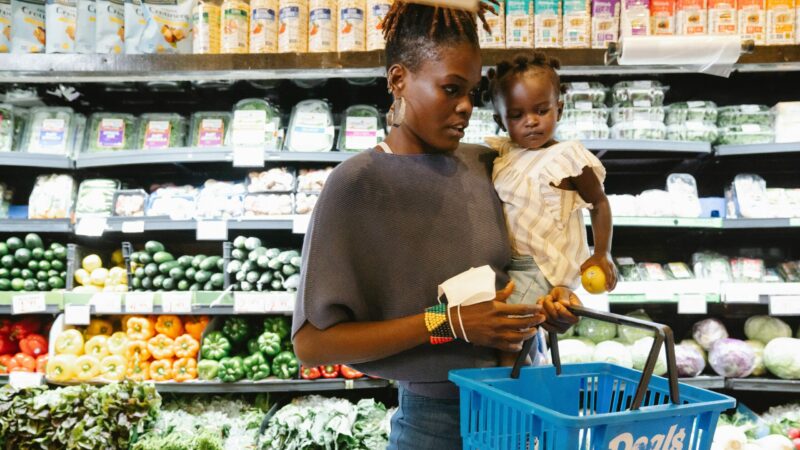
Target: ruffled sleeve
x: 568, y: 160
x: 502, y: 145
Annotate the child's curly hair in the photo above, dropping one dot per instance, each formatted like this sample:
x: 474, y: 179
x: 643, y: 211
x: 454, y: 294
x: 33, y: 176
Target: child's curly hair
x: 538, y: 62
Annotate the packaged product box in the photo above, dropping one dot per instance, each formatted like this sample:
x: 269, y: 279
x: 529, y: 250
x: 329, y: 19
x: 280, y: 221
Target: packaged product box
x: 752, y: 21
x: 28, y: 26
x: 169, y: 27
x: 263, y: 26
x: 605, y: 22
x: 321, y: 26
x: 235, y: 27
x: 519, y: 23
x: 497, y: 23
x: 205, y: 27
x: 293, y: 26
x: 60, y: 21
x: 635, y: 19
x: 134, y: 25
x: 5, y: 26
x: 352, y: 33
x: 691, y: 17
x: 722, y: 17
x: 787, y: 122
x: 86, y: 24
x: 577, y: 24
x: 547, y: 24
x: 376, y: 11
x: 662, y: 17
x: 780, y: 22
x: 110, y: 27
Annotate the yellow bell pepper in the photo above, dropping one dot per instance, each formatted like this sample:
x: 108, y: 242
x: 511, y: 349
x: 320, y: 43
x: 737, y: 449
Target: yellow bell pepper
x: 96, y: 347
x: 117, y: 344
x: 137, y: 351
x: 161, y: 347
x: 98, y: 327
x: 61, y: 367
x: 140, y: 328
x: 123, y: 321
x: 186, y: 347
x: 195, y: 325
x: 138, y: 370
x: 86, y: 367
x: 169, y: 325
x: 113, y: 368
x: 69, y: 342
x: 161, y: 370
x: 184, y: 369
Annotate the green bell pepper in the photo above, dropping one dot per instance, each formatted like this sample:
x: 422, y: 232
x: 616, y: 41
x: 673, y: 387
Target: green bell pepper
x: 236, y: 329
x: 252, y: 346
x: 231, y: 369
x: 269, y: 343
x: 215, y: 346
x: 285, y: 365
x: 277, y: 325
x: 208, y: 369
x: 256, y: 367
x: 287, y: 346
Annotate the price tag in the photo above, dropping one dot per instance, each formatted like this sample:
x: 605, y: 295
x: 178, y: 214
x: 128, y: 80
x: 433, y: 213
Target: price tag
x: 28, y: 303
x: 22, y: 380
x: 598, y: 302
x: 300, y: 223
x: 280, y: 302
x: 249, y: 303
x: 133, y: 226
x: 248, y: 156
x: 658, y: 295
x: 77, y: 314
x: 794, y: 222
x: 106, y: 303
x: 212, y: 230
x: 692, y: 304
x: 139, y: 302
x: 349, y: 384
x: 784, y: 305
x: 176, y: 302
x: 741, y: 293
x: 91, y: 226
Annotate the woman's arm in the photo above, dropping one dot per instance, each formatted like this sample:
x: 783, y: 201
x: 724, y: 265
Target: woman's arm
x: 591, y: 191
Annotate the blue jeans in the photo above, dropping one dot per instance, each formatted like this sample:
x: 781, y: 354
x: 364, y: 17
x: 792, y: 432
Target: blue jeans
x: 424, y: 423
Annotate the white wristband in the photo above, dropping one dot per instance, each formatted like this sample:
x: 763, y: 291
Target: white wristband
x: 450, y: 320
x: 461, y: 322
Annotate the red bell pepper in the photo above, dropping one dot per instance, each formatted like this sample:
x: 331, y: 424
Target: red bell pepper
x: 350, y: 373
x: 329, y: 371
x: 33, y: 345
x: 7, y: 345
x: 5, y: 362
x: 41, y: 363
x: 5, y: 325
x: 24, y: 327
x: 22, y: 363
x: 309, y: 373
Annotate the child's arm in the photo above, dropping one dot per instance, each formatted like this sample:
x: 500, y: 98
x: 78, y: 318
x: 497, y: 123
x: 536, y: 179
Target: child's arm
x: 591, y: 191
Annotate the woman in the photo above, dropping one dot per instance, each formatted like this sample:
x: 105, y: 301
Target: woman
x: 394, y: 223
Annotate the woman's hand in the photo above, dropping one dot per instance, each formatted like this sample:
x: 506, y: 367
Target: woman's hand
x: 496, y: 324
x: 606, y: 264
x: 554, y: 305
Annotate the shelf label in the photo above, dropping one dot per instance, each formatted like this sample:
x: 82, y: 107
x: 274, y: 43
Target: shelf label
x: 280, y: 302
x: 249, y: 303
x: 106, y: 303
x: 692, y: 304
x: 22, y: 380
x: 77, y: 314
x: 794, y: 222
x: 349, y: 384
x: 212, y: 230
x: 139, y: 302
x: 300, y: 223
x: 742, y: 293
x: 598, y: 302
x: 248, y: 156
x: 28, y: 303
x: 133, y: 226
x: 91, y: 226
x: 176, y: 302
x: 784, y: 305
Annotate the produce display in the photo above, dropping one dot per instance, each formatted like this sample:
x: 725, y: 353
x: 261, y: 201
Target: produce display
x: 6, y: 127
x: 776, y: 429
x: 111, y: 131
x: 52, y: 197
x: 49, y: 130
x: 310, y: 128
x: 210, y: 129
x: 159, y: 131
x: 96, y: 197
x: 155, y: 269
x: 23, y: 344
x: 91, y: 276
x: 26, y: 264
x: 254, y: 267
x: 361, y: 129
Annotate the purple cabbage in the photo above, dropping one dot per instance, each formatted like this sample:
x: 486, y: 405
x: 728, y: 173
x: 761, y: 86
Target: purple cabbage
x: 732, y: 358
x: 689, y: 360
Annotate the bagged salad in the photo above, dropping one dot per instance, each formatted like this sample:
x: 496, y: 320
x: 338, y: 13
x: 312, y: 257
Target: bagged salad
x: 692, y: 131
x: 209, y: 129
x: 760, y: 115
x: 692, y: 111
x: 6, y: 127
x: 361, y: 129
x: 745, y: 134
x: 582, y: 129
x: 632, y: 113
x: 111, y: 131
x: 160, y: 131
x: 639, y: 129
x: 50, y: 130
x: 311, y: 127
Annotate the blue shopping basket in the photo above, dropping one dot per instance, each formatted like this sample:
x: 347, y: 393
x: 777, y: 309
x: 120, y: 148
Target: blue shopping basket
x: 593, y: 406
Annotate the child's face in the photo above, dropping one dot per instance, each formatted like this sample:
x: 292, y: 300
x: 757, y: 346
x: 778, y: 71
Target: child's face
x: 529, y: 109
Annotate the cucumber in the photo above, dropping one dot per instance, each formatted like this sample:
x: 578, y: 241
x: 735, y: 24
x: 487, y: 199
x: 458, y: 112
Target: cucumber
x: 185, y: 261
x: 42, y: 275
x: 240, y: 275
x: 276, y: 285
x: 289, y: 269
x: 221, y: 264
x: 252, y: 243
x: 273, y: 252
x: 168, y: 284
x: 57, y: 265
x: 16, y: 272
x: 217, y: 280
x: 14, y: 243
x: 153, y: 247
x: 145, y: 258
x: 263, y: 262
x: 42, y: 286
x: 5, y: 284
x: 292, y: 283
x: 296, y: 261
x: 37, y: 253
x: 17, y: 284
x: 183, y: 285
x: 234, y: 266
x: 252, y: 277
x: 158, y: 281
x: 139, y: 273
x: 32, y: 241
x: 136, y: 283
x: 246, y: 287
x: 151, y: 270
x: 26, y: 274
x: 45, y: 265
x: 265, y: 278
x: 209, y: 263
x: 33, y: 265
x: 165, y: 267
x: 7, y: 261
x: 275, y: 263
x: 56, y: 282
x: 208, y: 286
x: 190, y: 273
x: 60, y: 252
x: 195, y: 287
x: 49, y: 255
x: 147, y: 283
x: 253, y: 255
x: 162, y: 257
x: 202, y: 276
x: 239, y: 254
x: 4, y: 252
x: 197, y: 260
x: 247, y: 266
x: 239, y: 242
x: 22, y: 256
x: 176, y: 273
x: 286, y: 257
x: 29, y: 285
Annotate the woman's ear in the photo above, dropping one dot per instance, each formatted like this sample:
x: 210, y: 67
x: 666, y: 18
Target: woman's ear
x: 499, y: 121
x: 560, y: 109
x: 396, y: 77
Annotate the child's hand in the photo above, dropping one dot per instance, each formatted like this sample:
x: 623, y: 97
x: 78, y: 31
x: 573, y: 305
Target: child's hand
x: 555, y: 304
x: 605, y: 264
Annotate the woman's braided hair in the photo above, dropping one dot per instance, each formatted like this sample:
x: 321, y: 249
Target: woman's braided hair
x: 414, y: 32
x: 538, y: 62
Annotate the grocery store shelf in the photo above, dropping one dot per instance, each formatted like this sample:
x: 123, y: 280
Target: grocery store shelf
x: 50, y: 309
x: 642, y: 145
x: 113, y: 68
x: 118, y: 224
x: 705, y: 382
x: 271, y: 386
x: 762, y: 385
x: 701, y: 222
x: 24, y: 159
x: 217, y: 303
x: 187, y: 155
x: 35, y: 226
x: 759, y: 223
x: 756, y: 149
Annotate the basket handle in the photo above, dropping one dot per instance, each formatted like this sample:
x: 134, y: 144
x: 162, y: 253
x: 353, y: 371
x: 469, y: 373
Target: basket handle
x: 663, y: 335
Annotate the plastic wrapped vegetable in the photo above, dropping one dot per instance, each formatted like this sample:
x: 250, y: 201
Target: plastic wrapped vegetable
x: 748, y: 270
x: 745, y: 114
x: 52, y: 197
x: 682, y: 188
x: 692, y: 343
x: 599, y: 114
x: 272, y: 117
x: 581, y: 129
x: 689, y: 361
x: 708, y: 331
x: 360, y: 129
x: 481, y: 124
x: 614, y: 353
x: 678, y: 271
x: 759, y: 369
x: 49, y: 131
x: 310, y: 128
x: 596, y: 330
x: 96, y: 197
x: 712, y: 266
x: 641, y: 350
x: 174, y: 202
x: 639, y: 93
x: 745, y: 134
x: 161, y: 131
x: 731, y: 358
x: 312, y: 180
x: 692, y: 111
x: 693, y: 132
x: 111, y: 131
x: 639, y: 129
x: 782, y: 358
x: 277, y: 179
x: 259, y: 205
x: 6, y: 127
x: 575, y: 351
x: 130, y: 202
x: 628, y: 270
x: 209, y: 129
x: 583, y: 95
x: 621, y: 114
x: 219, y: 199
x: 632, y: 335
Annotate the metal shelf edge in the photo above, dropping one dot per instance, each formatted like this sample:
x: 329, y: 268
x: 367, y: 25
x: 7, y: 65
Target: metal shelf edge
x: 647, y: 145
x: 35, y: 225
x: 757, y: 149
x: 705, y: 382
x: 270, y: 386
x: 24, y: 159
x: 762, y: 384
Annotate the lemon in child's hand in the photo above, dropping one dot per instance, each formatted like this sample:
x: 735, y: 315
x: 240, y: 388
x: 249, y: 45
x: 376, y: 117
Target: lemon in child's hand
x: 594, y: 280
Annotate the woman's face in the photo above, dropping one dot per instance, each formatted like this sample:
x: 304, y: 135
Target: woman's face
x: 438, y: 96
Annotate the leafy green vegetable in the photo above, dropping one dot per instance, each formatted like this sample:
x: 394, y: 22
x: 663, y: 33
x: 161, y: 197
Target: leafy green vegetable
x: 49, y: 131
x: 158, y: 131
x: 745, y: 114
x: 6, y: 128
x: 693, y: 111
x: 209, y: 129
x: 111, y: 131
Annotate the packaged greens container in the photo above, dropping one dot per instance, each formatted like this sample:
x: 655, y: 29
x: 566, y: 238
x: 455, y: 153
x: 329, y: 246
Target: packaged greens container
x: 599, y: 114
x: 49, y: 130
x: 745, y: 114
x: 639, y: 93
x: 694, y: 111
x: 6, y: 127
x: 481, y: 124
x: 209, y: 129
x: 96, y: 197
x: 311, y: 127
x: 692, y: 131
x: 584, y: 95
x: 161, y: 131
x: 639, y: 129
x: 21, y: 116
x: 578, y: 130
x: 255, y: 110
x: 111, y: 131
x: 631, y: 113
x: 745, y: 134
x: 360, y: 129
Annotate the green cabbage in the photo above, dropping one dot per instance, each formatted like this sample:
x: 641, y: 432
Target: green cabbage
x: 596, y: 330
x: 633, y: 334
x: 575, y: 351
x: 641, y: 350
x: 759, y: 369
x: 782, y: 358
x: 766, y: 328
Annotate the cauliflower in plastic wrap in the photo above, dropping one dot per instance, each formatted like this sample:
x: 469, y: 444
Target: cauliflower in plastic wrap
x: 596, y: 330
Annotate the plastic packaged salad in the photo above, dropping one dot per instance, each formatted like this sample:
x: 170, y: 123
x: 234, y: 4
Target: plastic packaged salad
x: 311, y: 127
x: 712, y: 266
x: 130, y: 202
x: 261, y: 205
x: 277, y: 179
x: 361, y: 128
x: 692, y: 111
x: 96, y: 197
x: 639, y: 93
x: 745, y: 114
x: 682, y: 187
x: 79, y: 133
x: 21, y: 116
x: 678, y: 271
x: 481, y: 124
x: 598, y: 114
x: 111, y: 131
x: 692, y: 131
x: 639, y: 129
x: 652, y: 272
x: 628, y: 269
x: 49, y: 130
x: 631, y: 113
x: 52, y: 197
x: 569, y: 130
x: 748, y: 270
x: 584, y: 95
x: 209, y: 129
x: 6, y: 127
x: 248, y: 120
x: 746, y: 134
x: 160, y: 131
x: 175, y: 202
x: 219, y: 199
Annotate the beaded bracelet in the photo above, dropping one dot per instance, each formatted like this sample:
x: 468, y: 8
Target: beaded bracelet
x: 437, y: 324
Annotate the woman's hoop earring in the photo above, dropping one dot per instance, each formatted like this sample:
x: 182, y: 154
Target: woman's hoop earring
x: 397, y: 113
